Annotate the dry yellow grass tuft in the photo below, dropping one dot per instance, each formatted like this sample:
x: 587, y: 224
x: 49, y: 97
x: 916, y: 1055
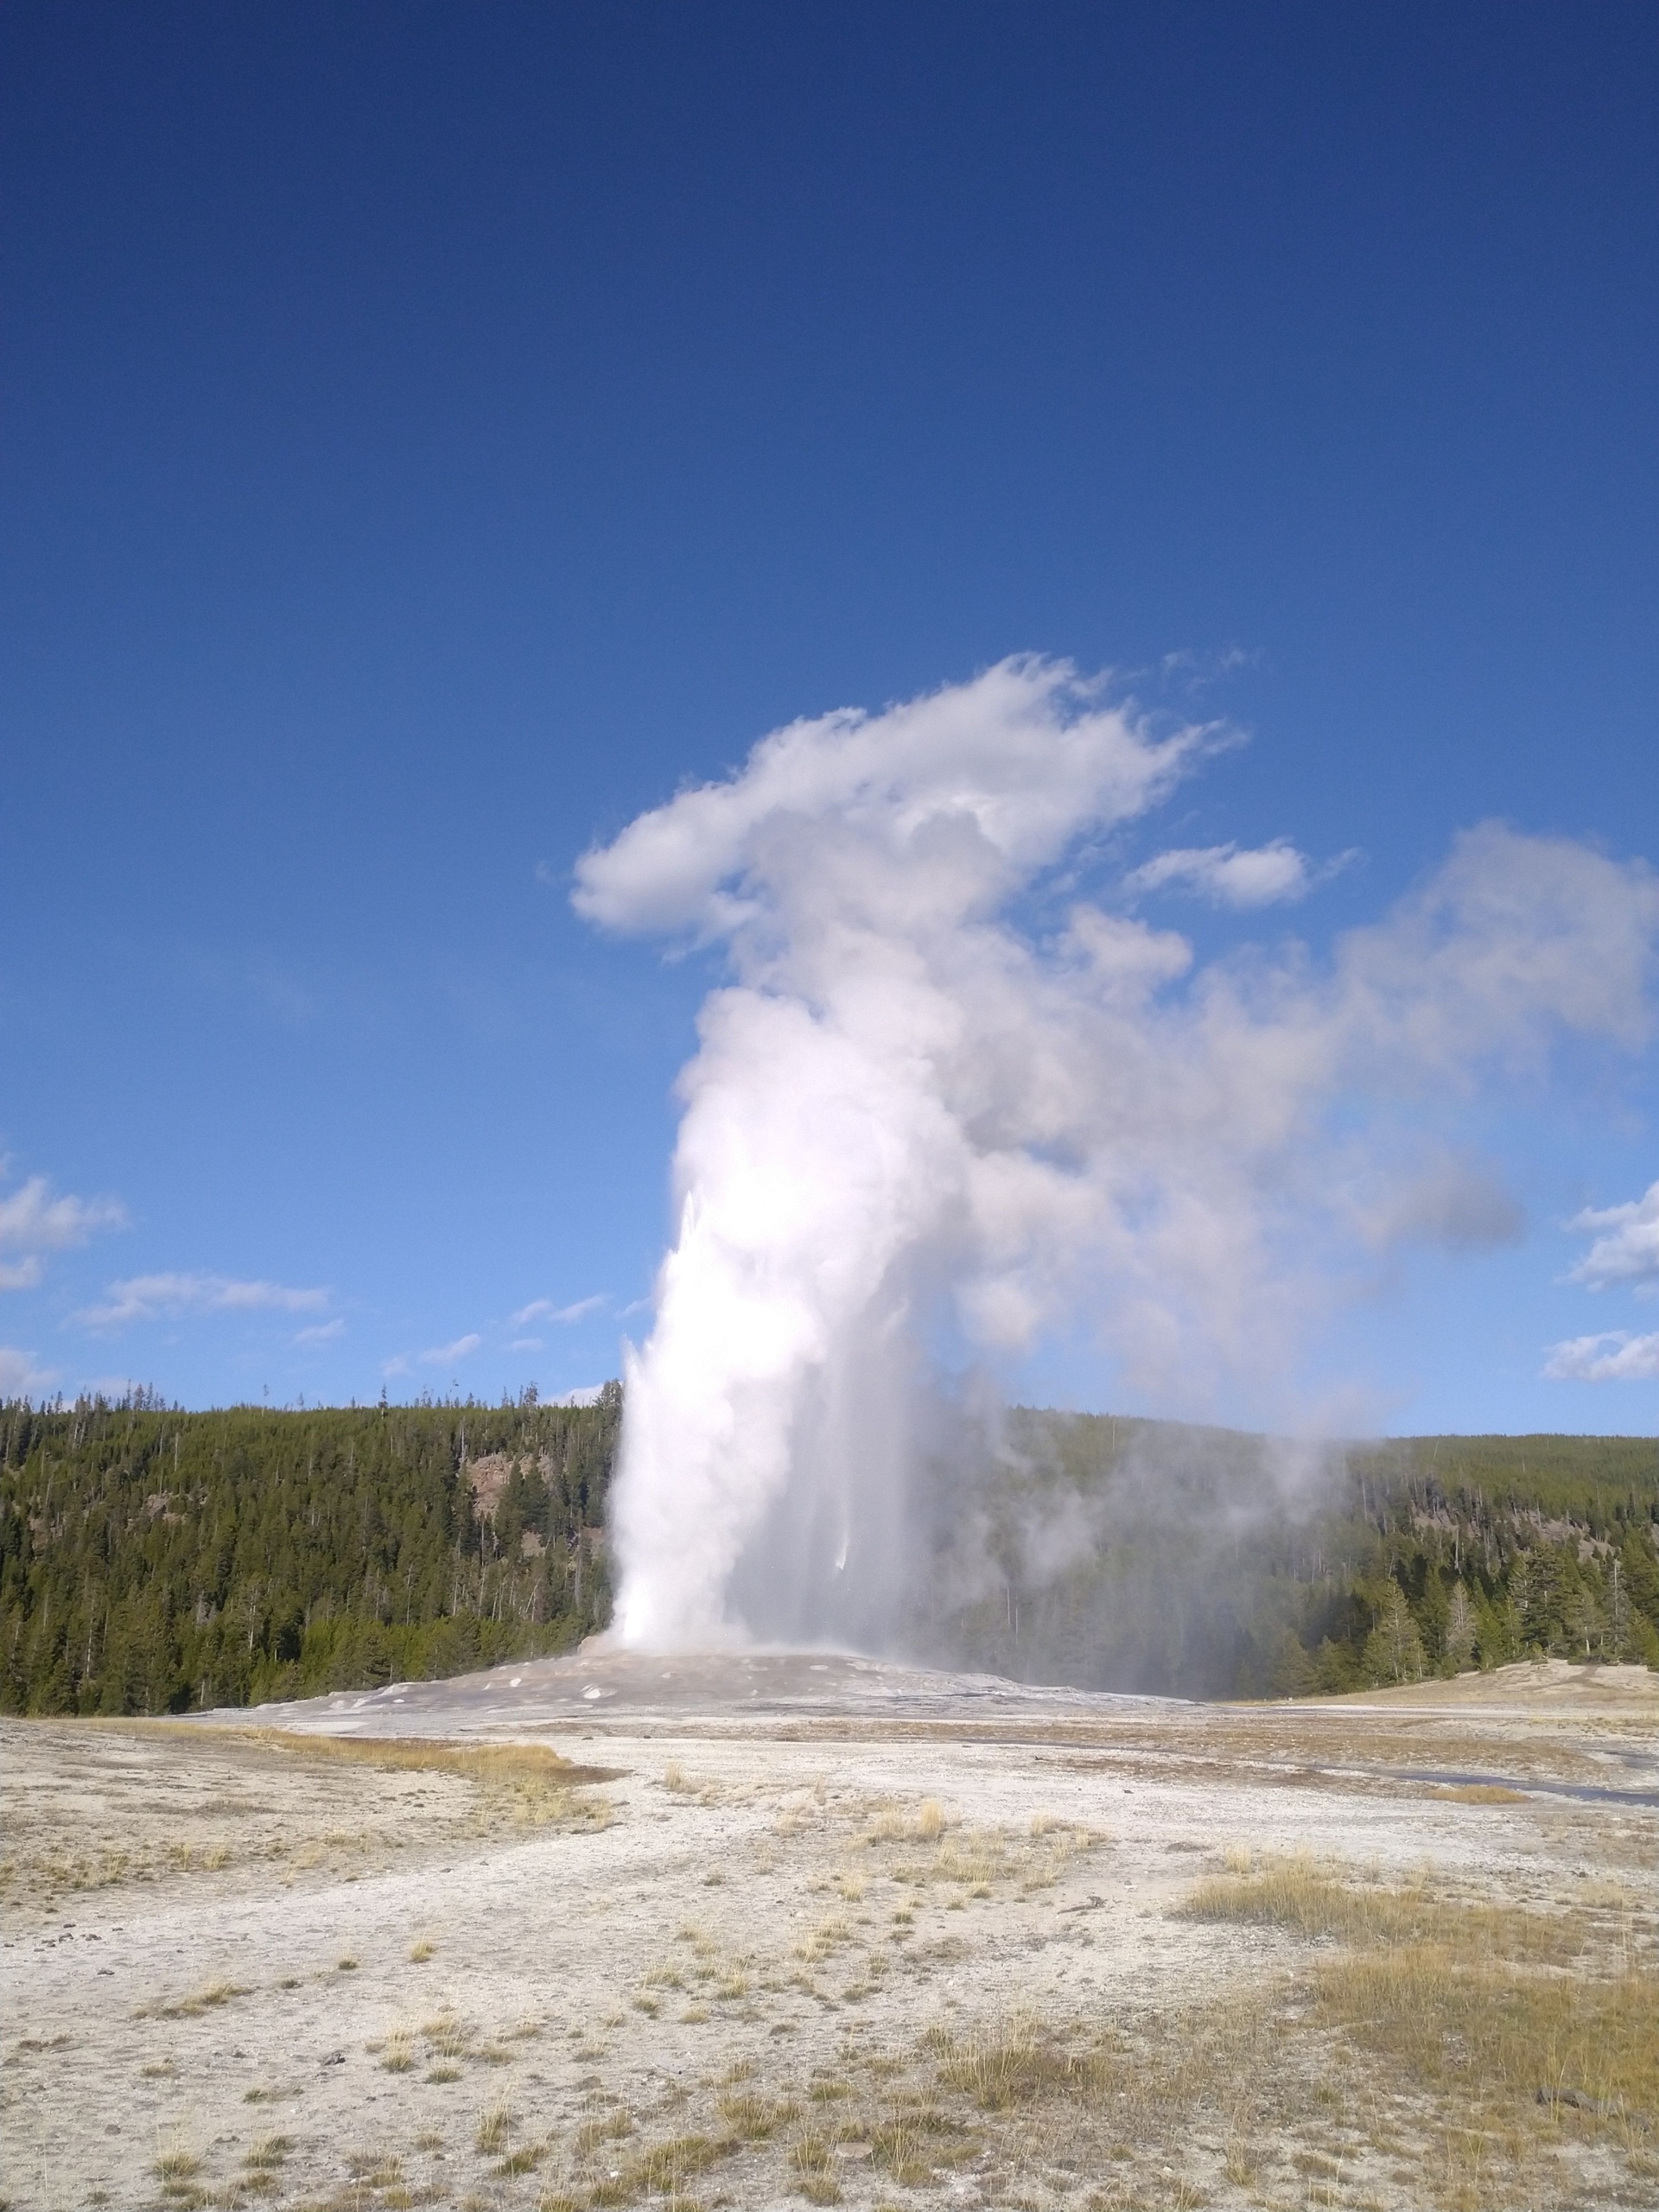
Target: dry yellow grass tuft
x: 524, y: 2160
x: 828, y: 1935
x: 891, y: 1824
x: 494, y: 2125
x: 447, y: 2037
x: 603, y: 2128
x: 177, y: 2163
x: 751, y: 2117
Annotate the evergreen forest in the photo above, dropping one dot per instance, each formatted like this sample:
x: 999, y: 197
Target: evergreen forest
x: 154, y: 1561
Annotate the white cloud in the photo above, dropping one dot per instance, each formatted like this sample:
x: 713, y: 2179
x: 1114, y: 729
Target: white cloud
x: 544, y: 1309
x: 1627, y: 1249
x: 324, y: 1333
x: 1233, y: 876
x: 21, y: 1374
x: 1613, y: 1356
x: 147, y: 1298
x: 32, y: 1222
x: 586, y: 1395
x: 399, y: 1364
x: 994, y: 776
x: 525, y: 1344
x: 442, y: 1354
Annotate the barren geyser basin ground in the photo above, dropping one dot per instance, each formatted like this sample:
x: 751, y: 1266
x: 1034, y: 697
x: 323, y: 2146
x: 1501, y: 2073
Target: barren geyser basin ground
x: 792, y: 1928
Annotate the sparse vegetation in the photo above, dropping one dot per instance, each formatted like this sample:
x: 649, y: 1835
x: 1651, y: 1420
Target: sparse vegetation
x: 1298, y: 2032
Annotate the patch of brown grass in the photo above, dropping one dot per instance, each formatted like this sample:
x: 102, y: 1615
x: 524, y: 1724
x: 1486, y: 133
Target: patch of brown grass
x: 664, y: 2168
x: 1500, y: 2039
x: 200, y: 2001
x: 1009, y: 2063
x: 1312, y: 1900
x: 430, y: 1754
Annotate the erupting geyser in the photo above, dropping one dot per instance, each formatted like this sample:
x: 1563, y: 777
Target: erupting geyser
x: 935, y: 1103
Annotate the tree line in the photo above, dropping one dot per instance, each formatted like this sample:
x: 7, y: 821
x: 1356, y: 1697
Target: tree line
x: 154, y: 1561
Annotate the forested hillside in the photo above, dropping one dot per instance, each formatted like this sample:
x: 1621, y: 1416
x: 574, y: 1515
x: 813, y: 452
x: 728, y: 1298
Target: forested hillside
x: 1144, y: 1556
x: 153, y: 1560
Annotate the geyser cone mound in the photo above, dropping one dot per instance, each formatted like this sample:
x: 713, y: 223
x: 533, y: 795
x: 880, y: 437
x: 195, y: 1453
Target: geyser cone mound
x: 627, y: 1687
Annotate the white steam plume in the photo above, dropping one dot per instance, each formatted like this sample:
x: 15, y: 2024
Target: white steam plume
x: 907, y: 1108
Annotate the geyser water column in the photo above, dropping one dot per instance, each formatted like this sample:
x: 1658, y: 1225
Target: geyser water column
x: 824, y: 1164
x: 902, y: 1097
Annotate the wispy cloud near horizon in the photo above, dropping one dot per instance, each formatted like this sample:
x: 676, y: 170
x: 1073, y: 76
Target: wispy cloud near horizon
x: 21, y: 1375
x: 544, y: 1309
x: 1615, y: 1356
x: 152, y: 1298
x: 34, y: 1222
x: 441, y: 1354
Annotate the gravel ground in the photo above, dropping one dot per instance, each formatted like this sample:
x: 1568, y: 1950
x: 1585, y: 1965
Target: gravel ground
x: 238, y: 1968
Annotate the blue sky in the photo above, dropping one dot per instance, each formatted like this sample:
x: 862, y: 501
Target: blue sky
x: 436, y: 433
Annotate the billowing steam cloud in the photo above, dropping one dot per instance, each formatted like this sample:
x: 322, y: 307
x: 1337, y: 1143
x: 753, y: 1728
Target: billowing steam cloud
x: 922, y: 1113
